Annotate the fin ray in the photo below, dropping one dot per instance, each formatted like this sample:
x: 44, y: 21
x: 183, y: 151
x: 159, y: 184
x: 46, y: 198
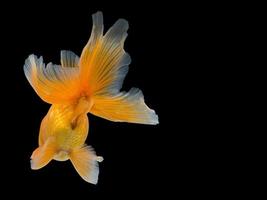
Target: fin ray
x: 69, y: 59
x: 125, y: 107
x: 104, y: 63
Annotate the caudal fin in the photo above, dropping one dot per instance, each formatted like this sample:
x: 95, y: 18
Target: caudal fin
x: 98, y: 75
x: 103, y: 67
x: 124, y: 107
x: 54, y: 83
x: 85, y: 162
x: 104, y: 63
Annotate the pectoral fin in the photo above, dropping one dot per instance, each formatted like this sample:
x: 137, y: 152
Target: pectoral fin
x: 43, y: 154
x: 85, y: 161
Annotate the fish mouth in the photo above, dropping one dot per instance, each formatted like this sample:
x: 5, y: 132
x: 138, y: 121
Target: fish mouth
x: 61, y: 155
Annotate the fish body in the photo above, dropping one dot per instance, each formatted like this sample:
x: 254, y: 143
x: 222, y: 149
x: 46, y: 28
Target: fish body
x: 67, y: 125
x: 89, y: 84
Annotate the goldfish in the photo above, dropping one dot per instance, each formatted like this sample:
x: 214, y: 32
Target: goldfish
x: 91, y: 84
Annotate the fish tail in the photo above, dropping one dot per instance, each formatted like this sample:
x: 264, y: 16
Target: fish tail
x: 42, y: 155
x: 97, y: 75
x: 124, y: 107
x: 85, y: 162
x: 103, y: 67
x: 55, y: 84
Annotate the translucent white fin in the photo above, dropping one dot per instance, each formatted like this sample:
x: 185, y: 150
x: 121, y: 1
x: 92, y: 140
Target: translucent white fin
x: 104, y: 63
x: 85, y: 161
x: 69, y: 59
x: 53, y: 83
x: 125, y: 107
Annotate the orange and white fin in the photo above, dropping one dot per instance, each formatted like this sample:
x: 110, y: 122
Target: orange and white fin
x: 104, y: 63
x: 43, y: 154
x: 85, y: 162
x: 103, y: 67
x: 124, y: 107
x: 53, y: 83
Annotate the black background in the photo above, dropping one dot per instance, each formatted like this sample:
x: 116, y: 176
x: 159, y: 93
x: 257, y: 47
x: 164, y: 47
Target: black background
x: 186, y: 60
x: 179, y: 56
x: 138, y: 159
